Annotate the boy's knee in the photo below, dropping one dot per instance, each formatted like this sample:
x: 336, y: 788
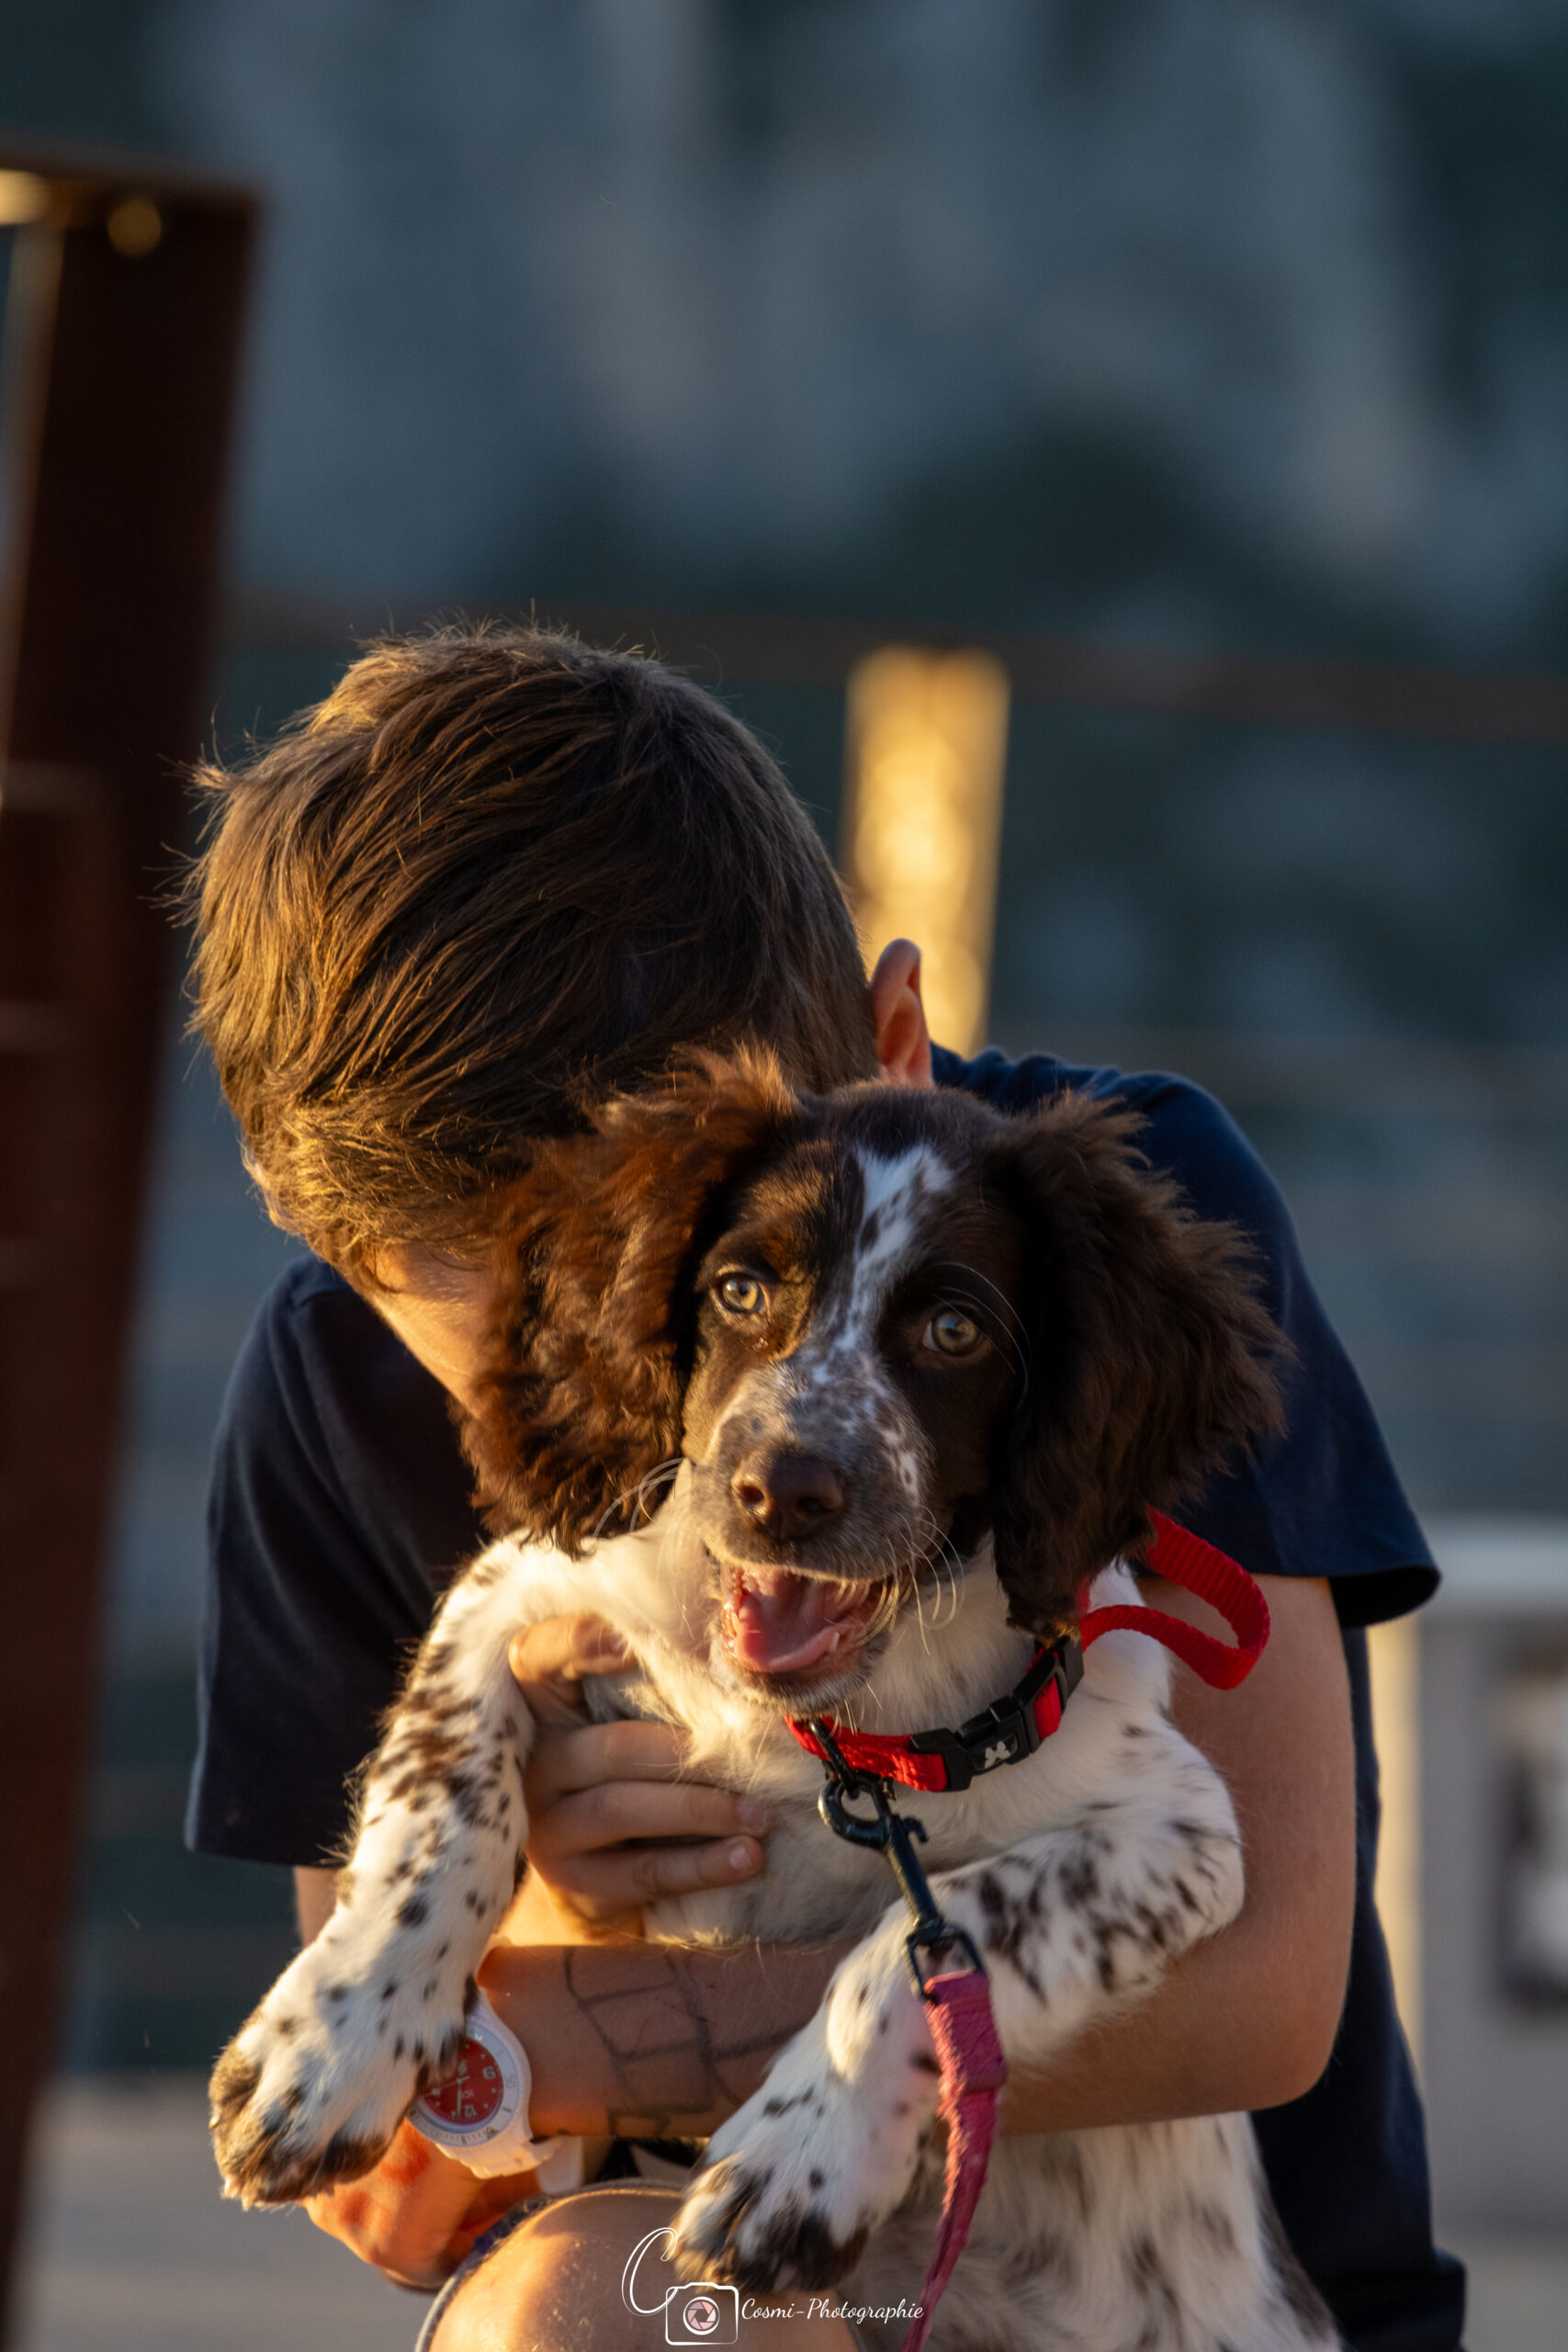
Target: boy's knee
x: 555, y: 2285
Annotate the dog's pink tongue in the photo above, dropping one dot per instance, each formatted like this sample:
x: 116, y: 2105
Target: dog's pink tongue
x: 776, y: 1623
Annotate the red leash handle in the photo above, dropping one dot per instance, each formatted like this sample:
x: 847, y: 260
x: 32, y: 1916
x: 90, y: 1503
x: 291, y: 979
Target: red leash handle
x: 964, y: 2030
x: 1185, y: 1559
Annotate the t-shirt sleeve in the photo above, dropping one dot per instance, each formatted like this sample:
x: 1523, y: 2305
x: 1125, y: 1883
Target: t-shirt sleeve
x: 337, y: 1504
x: 1325, y: 1499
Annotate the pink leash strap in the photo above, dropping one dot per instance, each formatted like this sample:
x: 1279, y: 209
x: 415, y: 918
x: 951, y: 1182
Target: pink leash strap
x: 963, y: 2028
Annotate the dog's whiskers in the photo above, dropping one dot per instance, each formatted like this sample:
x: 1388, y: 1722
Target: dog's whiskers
x: 1019, y: 1333
x: 633, y: 1500
x: 932, y: 1553
x: 1010, y: 1326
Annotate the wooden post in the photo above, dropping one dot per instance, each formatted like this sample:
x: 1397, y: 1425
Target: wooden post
x: 122, y: 333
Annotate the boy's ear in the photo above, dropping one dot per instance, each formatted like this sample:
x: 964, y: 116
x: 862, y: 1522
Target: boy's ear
x: 898, y: 1014
x: 582, y: 1400
x: 1151, y: 1357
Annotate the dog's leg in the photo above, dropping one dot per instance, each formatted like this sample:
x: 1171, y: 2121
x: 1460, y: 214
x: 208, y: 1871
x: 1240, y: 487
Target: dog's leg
x: 314, y: 2085
x: 1072, y: 1922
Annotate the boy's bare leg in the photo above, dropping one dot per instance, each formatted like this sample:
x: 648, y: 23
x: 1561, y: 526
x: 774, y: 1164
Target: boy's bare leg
x: 555, y: 2286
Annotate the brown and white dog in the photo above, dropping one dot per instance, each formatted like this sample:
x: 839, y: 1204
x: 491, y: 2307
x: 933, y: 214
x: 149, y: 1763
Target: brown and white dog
x: 913, y: 1374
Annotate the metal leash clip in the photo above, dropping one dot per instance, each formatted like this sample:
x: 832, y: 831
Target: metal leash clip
x: 893, y: 1834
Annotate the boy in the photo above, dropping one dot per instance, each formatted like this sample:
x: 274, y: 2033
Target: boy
x: 495, y: 866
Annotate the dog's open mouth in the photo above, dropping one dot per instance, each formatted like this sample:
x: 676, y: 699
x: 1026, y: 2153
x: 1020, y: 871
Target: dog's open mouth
x: 775, y: 1621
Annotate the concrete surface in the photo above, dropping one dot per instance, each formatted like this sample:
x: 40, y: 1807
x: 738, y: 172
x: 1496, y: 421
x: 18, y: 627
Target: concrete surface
x: 1493, y: 2059
x: 1518, y: 2292
x: 132, y: 2245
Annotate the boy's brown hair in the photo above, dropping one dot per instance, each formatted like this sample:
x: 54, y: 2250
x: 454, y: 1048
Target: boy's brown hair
x: 494, y: 870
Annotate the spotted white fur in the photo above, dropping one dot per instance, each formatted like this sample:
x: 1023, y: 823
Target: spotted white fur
x: 1082, y: 1872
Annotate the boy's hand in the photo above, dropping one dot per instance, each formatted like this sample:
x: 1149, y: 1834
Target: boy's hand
x: 417, y: 2215
x: 604, y: 1797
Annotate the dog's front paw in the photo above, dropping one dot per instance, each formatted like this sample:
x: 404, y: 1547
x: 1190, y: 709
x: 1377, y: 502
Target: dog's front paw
x: 799, y: 2178
x: 316, y: 2082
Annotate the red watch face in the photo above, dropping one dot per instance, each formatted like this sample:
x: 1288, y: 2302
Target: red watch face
x: 471, y: 2095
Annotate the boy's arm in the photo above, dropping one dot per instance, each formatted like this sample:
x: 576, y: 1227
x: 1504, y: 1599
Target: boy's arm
x: 1248, y: 2019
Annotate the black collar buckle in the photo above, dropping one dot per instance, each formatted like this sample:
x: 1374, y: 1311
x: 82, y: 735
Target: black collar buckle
x: 1006, y: 1731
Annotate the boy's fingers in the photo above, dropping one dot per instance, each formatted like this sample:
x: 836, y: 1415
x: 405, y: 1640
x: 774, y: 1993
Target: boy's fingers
x: 582, y: 1754
x: 613, y: 1811
x: 677, y: 1869
x: 566, y: 1647
x: 548, y: 1660
x: 408, y: 2215
x: 592, y: 1787
x: 604, y: 1886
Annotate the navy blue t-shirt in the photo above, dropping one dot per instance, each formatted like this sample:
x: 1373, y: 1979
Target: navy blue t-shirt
x: 340, y: 1505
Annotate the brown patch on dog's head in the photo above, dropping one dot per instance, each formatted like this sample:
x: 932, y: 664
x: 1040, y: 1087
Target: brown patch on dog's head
x: 596, y: 1245
x: 1151, y: 1355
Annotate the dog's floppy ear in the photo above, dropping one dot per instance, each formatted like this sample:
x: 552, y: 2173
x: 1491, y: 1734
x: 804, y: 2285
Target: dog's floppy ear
x: 581, y: 1401
x: 1150, y: 1354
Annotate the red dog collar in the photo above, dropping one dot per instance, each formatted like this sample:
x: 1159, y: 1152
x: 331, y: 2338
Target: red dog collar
x: 1013, y: 1727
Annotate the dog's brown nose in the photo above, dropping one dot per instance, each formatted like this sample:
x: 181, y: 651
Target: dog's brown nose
x: 788, y: 1495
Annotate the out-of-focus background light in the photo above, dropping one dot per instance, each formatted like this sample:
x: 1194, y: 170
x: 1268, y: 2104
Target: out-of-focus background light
x: 22, y: 198
x: 926, y: 752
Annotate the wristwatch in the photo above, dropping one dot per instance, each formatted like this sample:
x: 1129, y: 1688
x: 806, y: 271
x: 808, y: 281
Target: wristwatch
x: 479, y: 2114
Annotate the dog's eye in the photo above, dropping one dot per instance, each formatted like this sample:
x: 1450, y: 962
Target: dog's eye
x: 742, y: 1294
x: 951, y: 1334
